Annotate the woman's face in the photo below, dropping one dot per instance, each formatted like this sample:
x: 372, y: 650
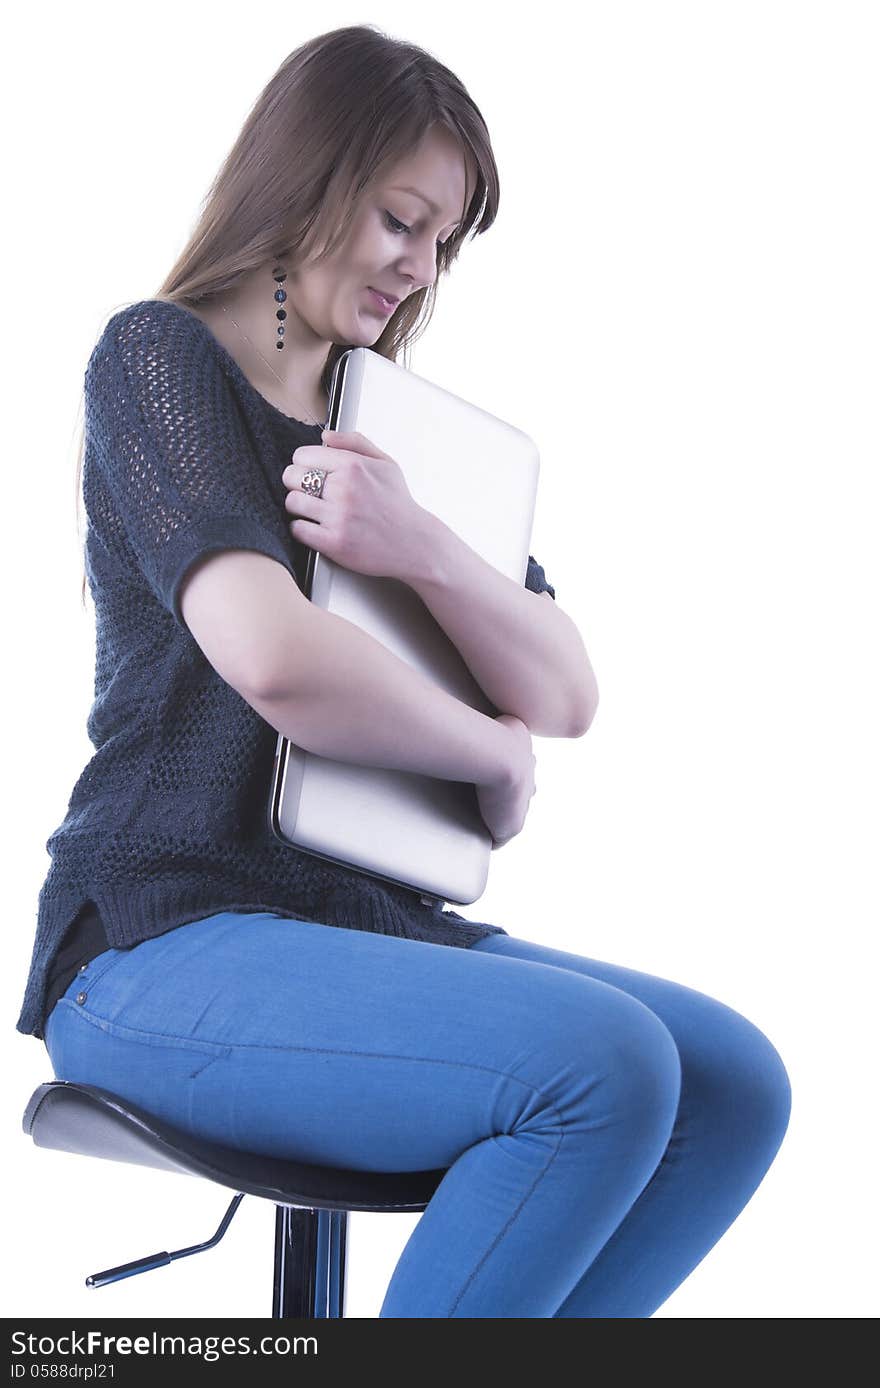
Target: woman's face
x: 335, y: 297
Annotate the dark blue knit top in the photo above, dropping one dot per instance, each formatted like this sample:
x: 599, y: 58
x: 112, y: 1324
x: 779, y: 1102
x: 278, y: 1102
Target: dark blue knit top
x: 168, y: 821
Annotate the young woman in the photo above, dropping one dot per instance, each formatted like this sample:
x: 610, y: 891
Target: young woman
x: 601, y: 1128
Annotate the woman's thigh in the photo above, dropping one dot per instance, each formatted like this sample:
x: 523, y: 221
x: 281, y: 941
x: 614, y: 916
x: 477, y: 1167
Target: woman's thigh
x: 734, y: 1085
x: 351, y: 1048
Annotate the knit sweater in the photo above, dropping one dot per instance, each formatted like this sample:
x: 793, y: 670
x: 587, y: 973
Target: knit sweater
x: 168, y: 821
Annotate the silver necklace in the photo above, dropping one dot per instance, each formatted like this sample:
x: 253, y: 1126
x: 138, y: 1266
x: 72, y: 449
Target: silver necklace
x: 263, y: 359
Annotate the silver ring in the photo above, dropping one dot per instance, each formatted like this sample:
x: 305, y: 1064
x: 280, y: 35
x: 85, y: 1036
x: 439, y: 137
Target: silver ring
x: 313, y: 481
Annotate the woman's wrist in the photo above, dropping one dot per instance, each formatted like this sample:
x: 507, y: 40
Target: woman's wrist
x: 496, y: 768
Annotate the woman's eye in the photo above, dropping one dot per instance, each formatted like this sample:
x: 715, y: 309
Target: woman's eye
x: 398, y: 227
x: 395, y: 224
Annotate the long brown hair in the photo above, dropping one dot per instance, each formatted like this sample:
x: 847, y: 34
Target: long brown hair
x: 341, y: 109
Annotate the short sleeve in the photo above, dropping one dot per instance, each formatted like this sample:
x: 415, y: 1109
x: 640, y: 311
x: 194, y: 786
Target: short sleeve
x: 175, y: 467
x: 536, y: 579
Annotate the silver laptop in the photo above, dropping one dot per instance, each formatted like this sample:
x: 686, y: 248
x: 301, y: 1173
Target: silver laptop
x: 479, y: 475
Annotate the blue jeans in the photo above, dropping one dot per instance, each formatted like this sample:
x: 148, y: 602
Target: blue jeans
x: 601, y: 1128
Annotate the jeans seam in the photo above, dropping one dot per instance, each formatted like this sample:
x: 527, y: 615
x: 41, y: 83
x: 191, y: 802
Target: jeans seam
x: 501, y: 1232
x: 210, y: 1048
x: 219, y: 1047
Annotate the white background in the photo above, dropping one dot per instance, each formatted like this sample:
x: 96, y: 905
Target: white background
x: 686, y: 259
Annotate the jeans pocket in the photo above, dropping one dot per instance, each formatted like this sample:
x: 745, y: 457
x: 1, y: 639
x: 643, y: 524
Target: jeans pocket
x: 100, y: 966
x: 77, y: 991
x: 161, y: 1074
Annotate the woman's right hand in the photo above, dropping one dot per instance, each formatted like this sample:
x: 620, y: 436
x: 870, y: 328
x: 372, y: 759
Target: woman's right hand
x: 504, y: 802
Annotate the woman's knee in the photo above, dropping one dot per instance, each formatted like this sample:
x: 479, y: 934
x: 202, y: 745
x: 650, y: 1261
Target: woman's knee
x: 608, y: 1057
x: 734, y: 1069
x: 642, y: 1062
x: 768, y: 1083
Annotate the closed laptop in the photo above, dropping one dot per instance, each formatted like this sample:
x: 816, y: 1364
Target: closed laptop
x: 479, y: 474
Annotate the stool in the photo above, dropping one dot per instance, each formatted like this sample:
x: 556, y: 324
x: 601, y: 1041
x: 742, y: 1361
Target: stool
x: 311, y: 1202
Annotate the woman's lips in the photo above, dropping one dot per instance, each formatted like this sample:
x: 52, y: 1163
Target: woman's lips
x: 382, y: 304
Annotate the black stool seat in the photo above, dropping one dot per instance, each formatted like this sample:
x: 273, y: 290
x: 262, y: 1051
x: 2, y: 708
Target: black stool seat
x: 95, y: 1123
x: 312, y: 1202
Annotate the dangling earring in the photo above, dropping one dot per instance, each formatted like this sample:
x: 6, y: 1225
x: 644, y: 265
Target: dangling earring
x: 279, y: 275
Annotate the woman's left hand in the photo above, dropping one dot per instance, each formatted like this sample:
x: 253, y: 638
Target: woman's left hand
x: 366, y: 518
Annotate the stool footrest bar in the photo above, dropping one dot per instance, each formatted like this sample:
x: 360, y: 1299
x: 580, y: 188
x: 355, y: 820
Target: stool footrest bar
x: 158, y: 1260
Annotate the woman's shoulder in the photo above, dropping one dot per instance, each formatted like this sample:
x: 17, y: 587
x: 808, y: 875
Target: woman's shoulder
x: 150, y: 339
x: 141, y: 320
